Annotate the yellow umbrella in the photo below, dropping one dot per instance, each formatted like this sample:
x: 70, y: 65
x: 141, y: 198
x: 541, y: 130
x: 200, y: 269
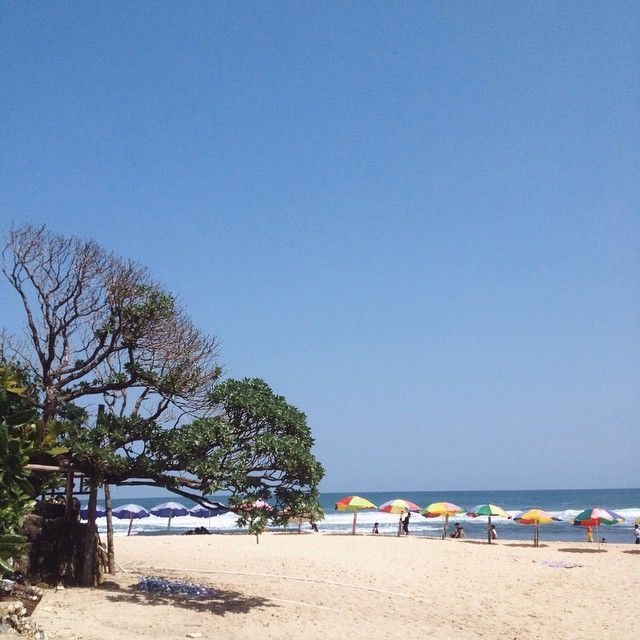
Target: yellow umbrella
x: 442, y: 509
x: 355, y: 504
x: 536, y: 517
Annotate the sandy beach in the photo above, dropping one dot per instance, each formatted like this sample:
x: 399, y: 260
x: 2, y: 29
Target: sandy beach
x: 326, y: 586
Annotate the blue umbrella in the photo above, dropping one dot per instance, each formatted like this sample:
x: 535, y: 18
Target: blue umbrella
x: 169, y: 510
x: 130, y: 512
x: 101, y: 512
x: 211, y: 509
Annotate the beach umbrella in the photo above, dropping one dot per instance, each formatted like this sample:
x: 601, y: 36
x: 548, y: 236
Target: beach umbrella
x: 211, y: 509
x: 169, y: 510
x: 354, y: 504
x: 398, y: 506
x: 596, y: 516
x: 130, y: 512
x: 101, y: 512
x: 536, y: 517
x: 489, y: 510
x: 442, y: 510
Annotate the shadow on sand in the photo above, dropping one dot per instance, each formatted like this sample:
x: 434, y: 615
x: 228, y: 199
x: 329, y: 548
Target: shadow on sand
x: 633, y: 552
x: 575, y: 550
x: 524, y: 545
x: 223, y: 602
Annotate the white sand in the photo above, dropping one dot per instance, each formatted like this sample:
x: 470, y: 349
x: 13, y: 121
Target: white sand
x: 335, y: 586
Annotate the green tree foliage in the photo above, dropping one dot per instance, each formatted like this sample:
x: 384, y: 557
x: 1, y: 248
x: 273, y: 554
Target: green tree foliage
x: 257, y: 446
x: 18, y: 436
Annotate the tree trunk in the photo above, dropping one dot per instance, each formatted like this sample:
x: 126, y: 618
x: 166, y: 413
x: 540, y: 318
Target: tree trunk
x: 87, y: 578
x: 69, y: 494
x: 110, y: 549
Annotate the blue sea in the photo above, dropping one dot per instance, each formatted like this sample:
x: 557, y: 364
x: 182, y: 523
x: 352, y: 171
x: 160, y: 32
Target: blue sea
x: 564, y: 504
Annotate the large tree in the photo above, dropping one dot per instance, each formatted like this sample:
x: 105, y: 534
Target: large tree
x: 99, y: 328
x: 97, y: 325
x: 256, y: 446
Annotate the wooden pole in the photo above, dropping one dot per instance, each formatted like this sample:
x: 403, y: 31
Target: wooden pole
x: 111, y: 560
x: 130, y: 525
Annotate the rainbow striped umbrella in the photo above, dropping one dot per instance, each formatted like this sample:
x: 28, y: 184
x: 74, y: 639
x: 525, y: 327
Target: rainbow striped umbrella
x: 490, y: 510
x: 442, y: 510
x: 536, y: 517
x: 596, y: 516
x: 398, y: 507
x: 354, y: 504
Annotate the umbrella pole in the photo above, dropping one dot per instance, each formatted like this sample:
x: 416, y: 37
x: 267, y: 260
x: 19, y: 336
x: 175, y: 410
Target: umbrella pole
x: 489, y: 531
x: 445, y: 526
x: 169, y: 523
x: 353, y: 526
x: 130, y: 524
x: 399, y: 526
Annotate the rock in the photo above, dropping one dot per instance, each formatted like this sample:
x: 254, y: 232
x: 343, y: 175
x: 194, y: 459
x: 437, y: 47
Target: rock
x: 194, y: 634
x: 60, y: 588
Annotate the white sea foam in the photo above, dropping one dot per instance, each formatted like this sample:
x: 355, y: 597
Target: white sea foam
x: 335, y: 521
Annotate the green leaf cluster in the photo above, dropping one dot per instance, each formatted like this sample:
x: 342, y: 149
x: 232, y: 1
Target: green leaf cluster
x: 18, y: 440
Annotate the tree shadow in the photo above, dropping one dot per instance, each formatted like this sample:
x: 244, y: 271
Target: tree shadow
x: 574, y: 550
x: 223, y: 602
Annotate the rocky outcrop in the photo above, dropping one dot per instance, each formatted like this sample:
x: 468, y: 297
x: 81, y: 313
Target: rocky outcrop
x: 15, y: 622
x: 53, y: 553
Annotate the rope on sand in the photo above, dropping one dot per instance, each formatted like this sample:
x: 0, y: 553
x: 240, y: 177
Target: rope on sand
x: 335, y: 583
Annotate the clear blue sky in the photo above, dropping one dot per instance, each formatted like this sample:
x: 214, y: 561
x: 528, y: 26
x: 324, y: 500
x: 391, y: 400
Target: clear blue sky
x: 417, y: 221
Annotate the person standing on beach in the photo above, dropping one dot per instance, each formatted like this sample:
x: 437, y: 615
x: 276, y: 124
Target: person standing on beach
x: 405, y: 523
x: 636, y: 531
x: 589, y: 534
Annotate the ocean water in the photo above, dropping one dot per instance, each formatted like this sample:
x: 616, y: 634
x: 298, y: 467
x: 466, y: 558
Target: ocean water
x: 564, y: 504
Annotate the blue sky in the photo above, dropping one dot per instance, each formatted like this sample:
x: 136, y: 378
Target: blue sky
x: 418, y: 222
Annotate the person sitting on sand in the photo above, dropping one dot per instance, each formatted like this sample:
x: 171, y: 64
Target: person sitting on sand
x: 458, y: 532
x: 375, y: 528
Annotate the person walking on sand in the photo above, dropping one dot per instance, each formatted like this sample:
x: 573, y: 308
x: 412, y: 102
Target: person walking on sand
x: 375, y: 529
x: 493, y: 532
x: 636, y: 532
x: 589, y: 534
x: 405, y: 523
